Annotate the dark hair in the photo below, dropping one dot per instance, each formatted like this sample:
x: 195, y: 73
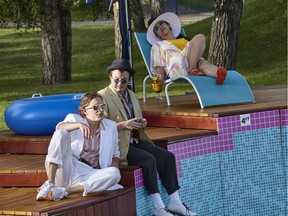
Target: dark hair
x: 151, y: 20
x: 86, y: 99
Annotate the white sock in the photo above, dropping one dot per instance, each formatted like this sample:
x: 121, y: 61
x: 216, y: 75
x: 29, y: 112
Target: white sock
x: 175, y: 199
x: 158, y: 203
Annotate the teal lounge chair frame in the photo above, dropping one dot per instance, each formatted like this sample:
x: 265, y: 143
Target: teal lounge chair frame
x: 235, y: 89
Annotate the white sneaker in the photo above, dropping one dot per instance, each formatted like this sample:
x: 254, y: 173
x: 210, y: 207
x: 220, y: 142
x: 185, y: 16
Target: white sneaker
x: 162, y: 212
x: 180, y: 210
x: 43, y: 190
x: 57, y: 193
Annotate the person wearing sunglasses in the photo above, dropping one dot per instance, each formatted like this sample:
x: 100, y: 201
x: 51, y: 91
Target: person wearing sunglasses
x: 83, y: 154
x: 173, y: 54
x: 136, y: 148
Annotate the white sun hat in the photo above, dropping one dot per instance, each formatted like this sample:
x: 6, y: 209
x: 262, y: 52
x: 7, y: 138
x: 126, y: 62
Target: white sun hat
x: 168, y: 17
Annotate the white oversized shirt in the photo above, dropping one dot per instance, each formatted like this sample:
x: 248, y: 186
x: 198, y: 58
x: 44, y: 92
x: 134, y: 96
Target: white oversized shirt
x: 108, y: 140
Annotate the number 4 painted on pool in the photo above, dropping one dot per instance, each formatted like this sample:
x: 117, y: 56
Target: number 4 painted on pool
x: 245, y: 120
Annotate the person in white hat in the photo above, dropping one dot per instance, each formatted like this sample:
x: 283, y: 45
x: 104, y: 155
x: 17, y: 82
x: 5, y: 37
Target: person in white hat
x: 172, y: 54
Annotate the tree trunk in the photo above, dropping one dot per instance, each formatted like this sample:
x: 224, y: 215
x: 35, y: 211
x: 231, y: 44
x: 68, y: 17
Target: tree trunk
x: 52, y: 57
x: 157, y: 7
x: 137, y: 17
x: 66, y: 34
x: 118, y: 38
x: 224, y: 33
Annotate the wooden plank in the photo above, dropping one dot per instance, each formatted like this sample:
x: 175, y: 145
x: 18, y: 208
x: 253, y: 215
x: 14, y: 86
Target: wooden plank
x: 159, y: 135
x: 104, y: 206
x: 22, y: 200
x: 267, y: 98
x: 125, y: 203
x: 23, y: 147
x: 80, y: 212
x: 37, y: 179
x: 22, y: 180
x: 22, y: 162
x: 181, y: 122
x: 176, y: 134
x: 10, y: 135
x: 89, y: 210
x: 28, y: 170
x: 127, y: 174
x: 107, y: 199
x: 113, y: 207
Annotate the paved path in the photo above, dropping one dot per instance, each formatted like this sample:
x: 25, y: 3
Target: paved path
x: 185, y: 19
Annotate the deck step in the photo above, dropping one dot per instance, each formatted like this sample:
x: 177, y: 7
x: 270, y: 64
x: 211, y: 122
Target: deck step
x: 11, y: 142
x: 18, y: 170
x: 22, y: 158
x: 181, y: 121
x: 26, y: 170
x: 21, y: 201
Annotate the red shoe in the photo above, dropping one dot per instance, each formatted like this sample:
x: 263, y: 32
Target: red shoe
x: 196, y: 72
x: 221, y: 75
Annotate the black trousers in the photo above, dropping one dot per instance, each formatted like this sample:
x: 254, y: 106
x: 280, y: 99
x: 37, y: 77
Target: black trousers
x: 152, y: 158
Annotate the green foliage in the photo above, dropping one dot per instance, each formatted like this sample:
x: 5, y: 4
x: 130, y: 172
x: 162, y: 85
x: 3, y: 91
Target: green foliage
x: 24, y: 13
x: 83, y: 11
x: 263, y: 42
x: 262, y: 55
x: 27, y: 13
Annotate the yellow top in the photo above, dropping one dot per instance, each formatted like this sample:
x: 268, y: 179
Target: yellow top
x: 179, y: 43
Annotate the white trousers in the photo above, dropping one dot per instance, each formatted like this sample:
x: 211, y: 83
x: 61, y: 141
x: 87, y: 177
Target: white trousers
x: 71, y: 172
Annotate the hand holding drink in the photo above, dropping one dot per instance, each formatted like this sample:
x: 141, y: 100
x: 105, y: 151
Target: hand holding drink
x: 157, y: 85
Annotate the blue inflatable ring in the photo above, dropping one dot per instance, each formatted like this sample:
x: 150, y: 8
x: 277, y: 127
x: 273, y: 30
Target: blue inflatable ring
x: 39, y: 114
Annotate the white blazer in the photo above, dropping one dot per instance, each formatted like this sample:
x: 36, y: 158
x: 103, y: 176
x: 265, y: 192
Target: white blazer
x: 108, y: 140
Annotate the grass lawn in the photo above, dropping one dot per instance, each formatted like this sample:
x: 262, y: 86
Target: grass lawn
x: 262, y: 55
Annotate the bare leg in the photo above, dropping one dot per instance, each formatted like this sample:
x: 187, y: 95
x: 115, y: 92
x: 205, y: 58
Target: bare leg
x: 208, y: 68
x: 196, y: 50
x: 76, y: 189
x: 211, y: 70
x: 52, y: 172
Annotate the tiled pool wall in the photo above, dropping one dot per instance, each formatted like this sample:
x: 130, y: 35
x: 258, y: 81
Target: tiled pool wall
x: 284, y: 134
x: 240, y: 171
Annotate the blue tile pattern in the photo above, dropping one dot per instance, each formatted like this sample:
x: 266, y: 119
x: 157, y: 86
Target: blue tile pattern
x: 253, y: 174
x: 247, y: 175
x: 200, y: 185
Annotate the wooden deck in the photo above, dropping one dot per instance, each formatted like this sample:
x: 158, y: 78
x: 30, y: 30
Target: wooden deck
x: 22, y: 157
x: 267, y: 98
x: 21, y: 201
x: 185, y: 110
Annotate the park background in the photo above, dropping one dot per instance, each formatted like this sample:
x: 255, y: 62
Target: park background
x: 261, y: 56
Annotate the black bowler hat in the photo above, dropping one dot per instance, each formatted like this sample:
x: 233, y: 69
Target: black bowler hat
x: 121, y: 64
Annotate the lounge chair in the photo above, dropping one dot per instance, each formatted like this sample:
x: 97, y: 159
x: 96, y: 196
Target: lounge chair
x: 235, y: 89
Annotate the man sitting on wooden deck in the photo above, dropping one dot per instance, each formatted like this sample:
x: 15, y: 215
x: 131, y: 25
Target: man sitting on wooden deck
x: 135, y: 146
x: 83, y: 155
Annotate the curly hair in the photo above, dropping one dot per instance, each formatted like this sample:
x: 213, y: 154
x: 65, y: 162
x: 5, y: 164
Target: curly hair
x: 86, y: 99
